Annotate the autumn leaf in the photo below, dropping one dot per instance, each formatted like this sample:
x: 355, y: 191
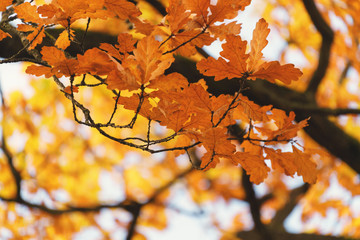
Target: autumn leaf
x: 61, y: 66
x: 150, y: 60
x: 234, y: 51
x: 236, y: 63
x: 199, y: 7
x: 36, y: 37
x: 4, y: 4
x: 254, y: 165
x: 28, y: 13
x: 63, y: 41
x: 177, y: 15
x: 288, y: 129
x: 226, y: 9
x: 222, y: 30
x: 291, y: 162
x: 70, y: 89
x: 122, y: 8
x: 272, y: 71
x: 4, y: 35
x: 257, y: 44
x: 95, y: 61
x: 122, y: 80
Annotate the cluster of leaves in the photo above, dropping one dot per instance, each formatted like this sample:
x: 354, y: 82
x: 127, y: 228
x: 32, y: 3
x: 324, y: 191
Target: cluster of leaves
x: 133, y: 71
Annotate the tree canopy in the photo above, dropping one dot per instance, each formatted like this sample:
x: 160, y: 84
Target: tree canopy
x: 128, y: 113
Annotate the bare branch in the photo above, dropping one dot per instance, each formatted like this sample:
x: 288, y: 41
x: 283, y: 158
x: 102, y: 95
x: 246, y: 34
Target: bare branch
x: 254, y: 207
x: 278, y: 221
x: 327, y: 35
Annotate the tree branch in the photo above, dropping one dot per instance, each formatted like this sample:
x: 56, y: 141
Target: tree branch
x: 325, y: 132
x: 327, y: 35
x: 254, y: 207
x: 253, y: 235
x: 277, y: 223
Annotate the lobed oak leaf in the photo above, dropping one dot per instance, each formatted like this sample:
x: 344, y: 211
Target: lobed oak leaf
x: 25, y: 28
x: 218, y: 68
x: 95, y: 61
x: 52, y: 55
x: 198, y: 7
x: 233, y: 50
x: 122, y: 80
x: 222, y: 30
x: 63, y: 41
x: 66, y: 12
x: 169, y: 83
x: 192, y: 38
x: 132, y: 103
x: 150, y: 60
x: 122, y: 8
x: 289, y: 129
x: 209, y: 161
x: 61, y: 66
x: 291, y: 162
x: 28, y: 13
x: 4, y: 35
x: 4, y: 4
x: 280, y: 161
x: 112, y: 51
x: 36, y: 37
x: 305, y: 166
x: 215, y: 140
x: 126, y: 43
x: 175, y: 120
x: 272, y: 71
x: 226, y: 9
x: 257, y: 44
x: 254, y: 165
x: 39, y: 71
x: 177, y: 16
x: 75, y: 89
x: 249, y: 110
x: 142, y: 26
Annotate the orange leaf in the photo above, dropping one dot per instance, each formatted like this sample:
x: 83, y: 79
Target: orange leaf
x: 226, y: 9
x: 254, y: 165
x: 75, y: 89
x: 289, y: 129
x: 122, y: 80
x: 280, y: 161
x: 61, y: 66
x: 36, y: 37
x: 215, y: 139
x: 122, y: 8
x: 63, y: 40
x: 142, y: 26
x: 96, y: 62
x: 177, y: 15
x: 39, y: 71
x: 4, y: 4
x: 126, y: 43
x: 28, y: 13
x: 291, y: 162
x: 234, y: 51
x: 222, y: 30
x: 152, y: 63
x: 170, y: 82
x: 271, y: 71
x: 258, y: 43
x: 4, y: 35
x: 199, y: 7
